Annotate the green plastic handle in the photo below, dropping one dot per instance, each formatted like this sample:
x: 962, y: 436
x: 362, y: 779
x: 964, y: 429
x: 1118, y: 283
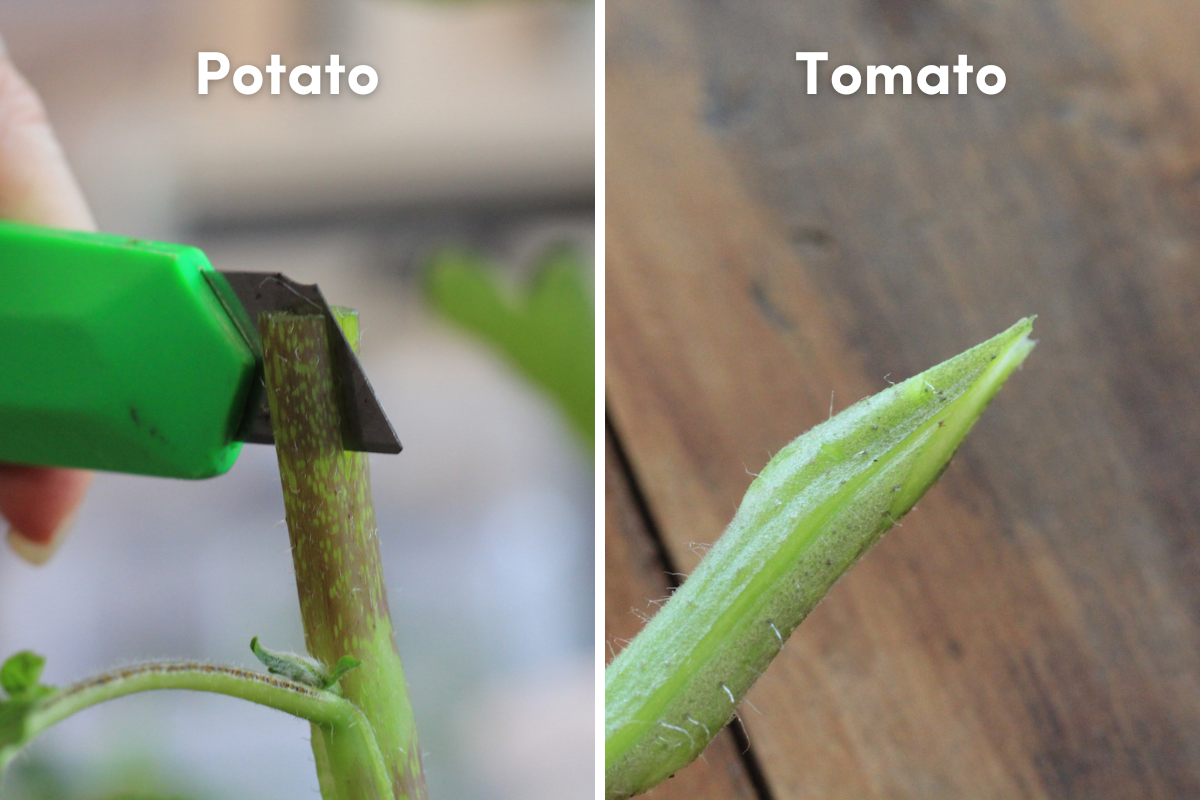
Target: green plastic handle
x: 116, y: 355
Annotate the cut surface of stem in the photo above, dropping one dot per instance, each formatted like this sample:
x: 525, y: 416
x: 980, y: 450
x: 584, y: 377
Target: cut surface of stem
x: 335, y: 543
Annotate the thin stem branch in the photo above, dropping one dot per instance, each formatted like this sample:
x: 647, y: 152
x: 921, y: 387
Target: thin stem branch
x: 333, y: 715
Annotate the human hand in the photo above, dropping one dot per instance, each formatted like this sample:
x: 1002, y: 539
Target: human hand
x: 36, y: 186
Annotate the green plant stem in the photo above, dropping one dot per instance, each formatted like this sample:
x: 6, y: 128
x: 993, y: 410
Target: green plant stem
x: 335, y: 543
x: 814, y: 510
x: 337, y: 717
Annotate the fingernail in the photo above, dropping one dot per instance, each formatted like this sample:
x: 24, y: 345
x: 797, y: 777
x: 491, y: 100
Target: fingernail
x: 38, y: 553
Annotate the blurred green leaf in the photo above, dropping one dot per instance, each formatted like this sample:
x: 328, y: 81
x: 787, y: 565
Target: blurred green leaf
x: 36, y: 777
x: 40, y: 775
x: 19, y: 678
x: 20, y: 672
x: 14, y: 715
x: 545, y: 329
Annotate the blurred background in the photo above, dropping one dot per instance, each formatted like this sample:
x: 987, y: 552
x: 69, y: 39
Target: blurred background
x: 479, y: 137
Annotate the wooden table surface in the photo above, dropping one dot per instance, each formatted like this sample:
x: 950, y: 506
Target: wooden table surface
x: 1033, y: 629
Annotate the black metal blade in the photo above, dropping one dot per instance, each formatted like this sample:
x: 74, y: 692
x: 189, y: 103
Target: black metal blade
x: 245, y: 295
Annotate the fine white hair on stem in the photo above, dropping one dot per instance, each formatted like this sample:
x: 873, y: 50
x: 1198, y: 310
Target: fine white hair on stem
x: 681, y: 730
x: 806, y: 528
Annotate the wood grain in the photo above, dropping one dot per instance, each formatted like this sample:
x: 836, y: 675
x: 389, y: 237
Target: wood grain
x: 1033, y: 629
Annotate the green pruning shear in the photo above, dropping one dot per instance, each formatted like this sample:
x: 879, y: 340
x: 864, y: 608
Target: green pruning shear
x: 135, y: 356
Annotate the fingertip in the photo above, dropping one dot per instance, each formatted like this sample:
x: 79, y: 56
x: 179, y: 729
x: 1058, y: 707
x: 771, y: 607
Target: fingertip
x: 40, y: 504
x: 38, y: 553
